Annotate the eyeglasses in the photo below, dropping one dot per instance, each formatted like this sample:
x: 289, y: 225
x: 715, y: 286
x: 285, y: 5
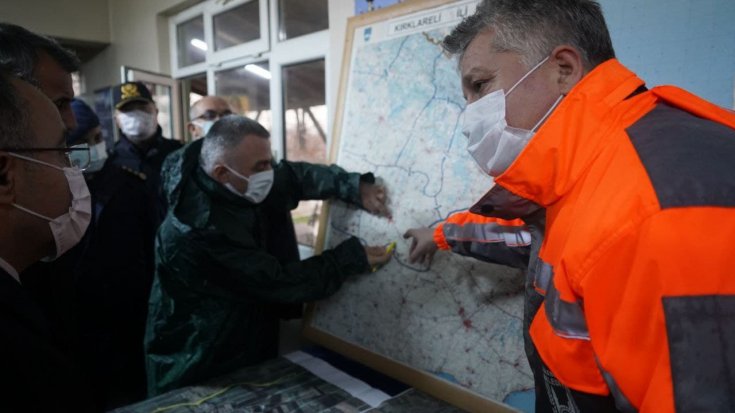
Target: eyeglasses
x: 77, y: 155
x: 213, y: 114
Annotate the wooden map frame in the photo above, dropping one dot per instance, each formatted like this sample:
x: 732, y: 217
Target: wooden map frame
x: 417, y: 378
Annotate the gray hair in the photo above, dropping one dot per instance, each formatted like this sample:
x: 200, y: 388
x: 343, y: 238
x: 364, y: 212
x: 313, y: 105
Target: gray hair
x: 224, y: 136
x: 14, y: 117
x: 533, y: 28
x: 19, y: 49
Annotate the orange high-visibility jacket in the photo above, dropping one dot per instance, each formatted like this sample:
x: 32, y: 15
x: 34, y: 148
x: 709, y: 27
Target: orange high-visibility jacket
x: 639, y: 191
x: 488, y: 239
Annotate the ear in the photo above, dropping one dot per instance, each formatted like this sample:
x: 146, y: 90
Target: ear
x: 192, y: 128
x: 117, y: 122
x: 570, y: 66
x: 7, y: 179
x: 219, y: 174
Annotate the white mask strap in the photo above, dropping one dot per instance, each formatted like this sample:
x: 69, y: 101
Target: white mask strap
x: 36, y: 214
x: 237, y: 174
x: 548, y: 112
x: 533, y: 69
x: 29, y: 159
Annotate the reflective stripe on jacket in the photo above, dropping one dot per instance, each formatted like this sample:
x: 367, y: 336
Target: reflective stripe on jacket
x: 639, y: 188
x: 496, y: 240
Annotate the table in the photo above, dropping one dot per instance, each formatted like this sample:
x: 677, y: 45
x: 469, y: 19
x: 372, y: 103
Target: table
x: 282, y: 386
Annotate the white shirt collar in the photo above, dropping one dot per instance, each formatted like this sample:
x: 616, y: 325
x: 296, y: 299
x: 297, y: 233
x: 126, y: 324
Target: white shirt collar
x: 9, y: 269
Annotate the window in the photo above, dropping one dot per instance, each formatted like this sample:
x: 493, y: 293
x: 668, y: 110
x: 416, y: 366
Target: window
x: 191, y: 46
x: 305, y: 128
x: 237, y: 26
x: 247, y: 89
x: 300, y: 17
x: 268, y: 59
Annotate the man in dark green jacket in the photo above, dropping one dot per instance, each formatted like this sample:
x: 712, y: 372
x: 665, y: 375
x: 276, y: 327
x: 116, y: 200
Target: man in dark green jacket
x: 226, y: 258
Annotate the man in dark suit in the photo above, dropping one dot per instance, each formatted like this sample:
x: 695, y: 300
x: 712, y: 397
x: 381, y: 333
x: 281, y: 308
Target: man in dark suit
x: 45, y: 63
x: 44, y: 211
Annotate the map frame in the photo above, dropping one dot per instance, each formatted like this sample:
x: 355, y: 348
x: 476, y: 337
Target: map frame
x: 452, y: 393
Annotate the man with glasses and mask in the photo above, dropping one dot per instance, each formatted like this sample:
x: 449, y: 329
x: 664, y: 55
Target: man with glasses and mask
x: 48, y: 65
x: 204, y: 112
x: 226, y: 255
x: 44, y: 211
x: 114, y: 271
x: 629, y: 194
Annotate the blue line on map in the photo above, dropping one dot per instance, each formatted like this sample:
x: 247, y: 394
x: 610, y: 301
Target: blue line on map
x: 413, y: 126
x: 445, y: 218
x: 454, y: 134
x: 408, y: 170
x: 390, y: 66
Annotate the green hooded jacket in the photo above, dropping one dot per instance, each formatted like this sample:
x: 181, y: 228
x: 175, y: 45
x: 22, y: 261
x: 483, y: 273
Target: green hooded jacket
x: 220, y: 275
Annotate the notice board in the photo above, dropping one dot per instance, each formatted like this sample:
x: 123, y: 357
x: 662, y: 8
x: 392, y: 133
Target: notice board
x: 454, y: 328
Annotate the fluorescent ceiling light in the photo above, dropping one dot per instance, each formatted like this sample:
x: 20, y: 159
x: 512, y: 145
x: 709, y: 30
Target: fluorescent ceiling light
x: 199, y: 44
x: 258, y: 71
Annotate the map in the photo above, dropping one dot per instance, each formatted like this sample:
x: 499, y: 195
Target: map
x: 459, y: 318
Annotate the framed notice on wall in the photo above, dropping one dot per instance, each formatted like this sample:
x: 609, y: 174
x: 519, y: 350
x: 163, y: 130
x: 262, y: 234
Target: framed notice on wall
x: 452, y: 328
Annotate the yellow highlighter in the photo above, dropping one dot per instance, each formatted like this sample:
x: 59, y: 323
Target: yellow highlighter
x: 388, y: 250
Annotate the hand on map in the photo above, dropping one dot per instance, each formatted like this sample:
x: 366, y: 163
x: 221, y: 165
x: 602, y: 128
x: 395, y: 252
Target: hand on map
x: 423, y: 246
x: 374, y: 198
x: 378, y: 256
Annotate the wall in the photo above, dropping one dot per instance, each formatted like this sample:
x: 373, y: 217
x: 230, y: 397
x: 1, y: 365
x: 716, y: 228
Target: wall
x: 680, y: 42
x: 139, y: 37
x: 70, y: 19
x: 687, y: 43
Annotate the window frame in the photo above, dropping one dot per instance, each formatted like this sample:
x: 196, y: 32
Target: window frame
x: 186, y: 15
x: 278, y: 53
x: 208, y: 10
x: 252, y: 48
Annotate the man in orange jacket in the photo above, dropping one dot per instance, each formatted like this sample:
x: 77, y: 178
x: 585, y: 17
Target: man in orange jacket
x: 634, y: 192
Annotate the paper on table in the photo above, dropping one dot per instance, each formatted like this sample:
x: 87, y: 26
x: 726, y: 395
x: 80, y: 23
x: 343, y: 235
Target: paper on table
x: 327, y: 372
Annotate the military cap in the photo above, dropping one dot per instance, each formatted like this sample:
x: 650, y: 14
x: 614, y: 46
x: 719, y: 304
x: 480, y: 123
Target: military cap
x: 130, y: 92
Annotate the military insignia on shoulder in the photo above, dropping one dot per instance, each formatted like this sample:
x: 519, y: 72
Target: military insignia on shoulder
x: 137, y: 174
x: 129, y: 90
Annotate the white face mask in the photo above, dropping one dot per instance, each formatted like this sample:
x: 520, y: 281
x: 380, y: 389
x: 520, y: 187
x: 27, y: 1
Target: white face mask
x: 492, y: 143
x: 137, y: 125
x: 205, y: 126
x: 259, y: 185
x: 69, y: 228
x: 97, y: 157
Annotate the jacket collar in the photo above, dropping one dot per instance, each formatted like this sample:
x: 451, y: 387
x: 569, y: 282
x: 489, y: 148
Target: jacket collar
x: 182, y: 170
x: 563, y: 147
x: 125, y: 145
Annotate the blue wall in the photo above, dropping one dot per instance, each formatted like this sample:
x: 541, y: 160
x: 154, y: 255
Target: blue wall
x: 688, y: 43
x: 361, y: 6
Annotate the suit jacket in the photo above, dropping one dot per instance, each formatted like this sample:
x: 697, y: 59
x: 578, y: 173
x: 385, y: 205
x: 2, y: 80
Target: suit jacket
x: 36, y: 372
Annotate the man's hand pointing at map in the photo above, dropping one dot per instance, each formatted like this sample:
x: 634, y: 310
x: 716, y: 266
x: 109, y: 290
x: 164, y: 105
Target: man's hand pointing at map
x: 374, y: 198
x: 423, y: 246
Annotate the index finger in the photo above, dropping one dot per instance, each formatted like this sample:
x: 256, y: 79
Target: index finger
x: 383, y: 210
x: 380, y: 193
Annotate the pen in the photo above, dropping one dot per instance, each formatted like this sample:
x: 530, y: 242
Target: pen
x: 388, y: 250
